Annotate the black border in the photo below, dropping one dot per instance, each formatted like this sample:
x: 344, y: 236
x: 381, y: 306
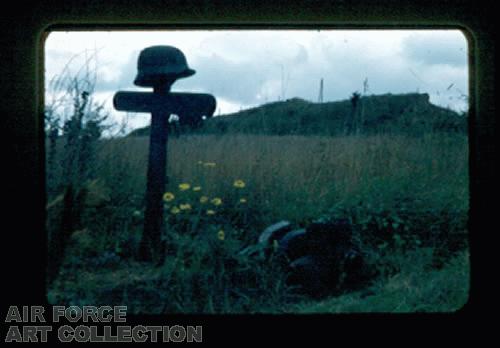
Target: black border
x: 21, y: 89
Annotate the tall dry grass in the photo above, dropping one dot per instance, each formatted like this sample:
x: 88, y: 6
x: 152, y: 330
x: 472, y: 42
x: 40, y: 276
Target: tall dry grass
x: 299, y: 177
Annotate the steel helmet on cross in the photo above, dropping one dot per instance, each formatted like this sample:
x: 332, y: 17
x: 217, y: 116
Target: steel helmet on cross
x: 161, y: 63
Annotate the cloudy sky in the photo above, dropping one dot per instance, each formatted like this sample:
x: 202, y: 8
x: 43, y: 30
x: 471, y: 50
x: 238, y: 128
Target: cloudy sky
x: 243, y: 69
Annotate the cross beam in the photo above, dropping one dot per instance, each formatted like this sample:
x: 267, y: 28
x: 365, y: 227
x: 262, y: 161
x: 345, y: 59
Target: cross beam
x: 175, y: 103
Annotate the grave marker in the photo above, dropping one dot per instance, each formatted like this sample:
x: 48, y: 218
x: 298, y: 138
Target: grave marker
x: 159, y: 67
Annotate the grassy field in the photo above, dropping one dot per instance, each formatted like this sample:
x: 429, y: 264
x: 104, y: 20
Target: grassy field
x: 406, y: 196
x: 297, y: 178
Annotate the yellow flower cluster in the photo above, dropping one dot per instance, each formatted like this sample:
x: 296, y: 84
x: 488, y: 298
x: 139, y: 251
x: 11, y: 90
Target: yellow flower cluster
x: 168, y: 197
x: 186, y: 206
x: 216, y: 201
x: 221, y: 235
x: 182, y: 207
x: 239, y: 184
x: 184, y: 186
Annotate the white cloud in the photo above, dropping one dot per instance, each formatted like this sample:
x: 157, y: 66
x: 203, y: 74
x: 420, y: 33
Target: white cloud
x: 246, y: 68
x: 437, y: 48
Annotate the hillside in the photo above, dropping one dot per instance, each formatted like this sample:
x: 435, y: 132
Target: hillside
x: 408, y: 113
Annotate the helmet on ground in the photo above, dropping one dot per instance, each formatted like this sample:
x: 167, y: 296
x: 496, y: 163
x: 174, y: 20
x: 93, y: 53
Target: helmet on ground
x: 161, y: 63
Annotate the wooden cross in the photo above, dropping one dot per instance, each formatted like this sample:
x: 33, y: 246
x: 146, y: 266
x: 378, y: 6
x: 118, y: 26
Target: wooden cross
x: 161, y: 104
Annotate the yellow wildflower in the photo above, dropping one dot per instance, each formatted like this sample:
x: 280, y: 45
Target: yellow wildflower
x: 197, y: 188
x: 239, y: 184
x: 203, y: 199
x: 200, y: 162
x: 175, y: 210
x: 221, y: 235
x: 210, y: 212
x: 168, y: 196
x: 243, y: 200
x: 186, y: 206
x: 209, y: 164
x: 184, y: 186
x: 216, y: 201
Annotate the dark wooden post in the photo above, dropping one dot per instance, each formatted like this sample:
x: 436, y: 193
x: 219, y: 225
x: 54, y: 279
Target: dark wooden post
x: 159, y: 67
x: 151, y: 247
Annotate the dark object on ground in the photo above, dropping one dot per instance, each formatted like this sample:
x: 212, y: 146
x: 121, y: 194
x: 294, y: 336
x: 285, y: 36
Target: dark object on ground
x: 294, y: 244
x: 275, y: 231
x: 322, y: 259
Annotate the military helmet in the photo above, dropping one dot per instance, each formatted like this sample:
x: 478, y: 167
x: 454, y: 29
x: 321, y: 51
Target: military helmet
x: 160, y: 63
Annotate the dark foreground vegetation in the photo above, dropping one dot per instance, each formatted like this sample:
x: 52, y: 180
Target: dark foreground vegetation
x: 395, y: 168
